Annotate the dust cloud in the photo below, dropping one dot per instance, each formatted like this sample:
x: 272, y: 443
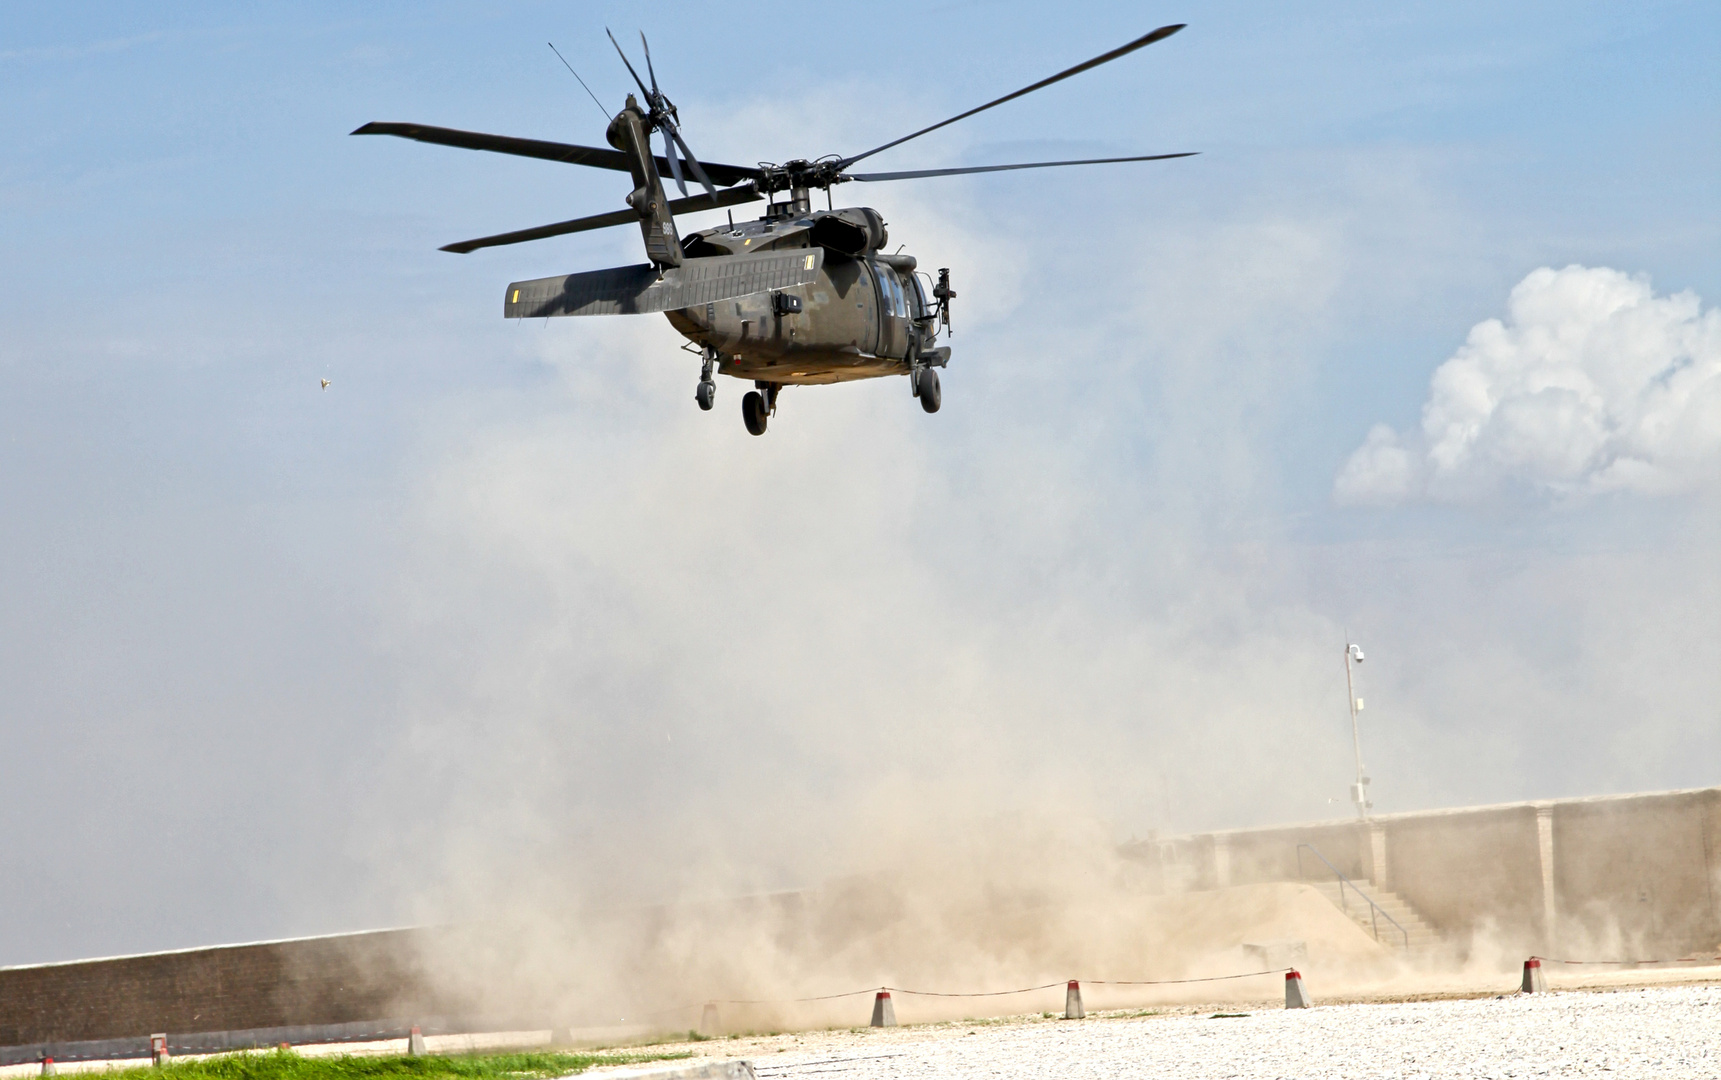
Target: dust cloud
x: 1012, y: 904
x: 687, y: 716
x: 910, y: 701
x: 988, y: 916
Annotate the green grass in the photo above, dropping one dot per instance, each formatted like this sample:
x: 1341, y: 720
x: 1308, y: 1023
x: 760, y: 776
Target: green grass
x: 286, y: 1065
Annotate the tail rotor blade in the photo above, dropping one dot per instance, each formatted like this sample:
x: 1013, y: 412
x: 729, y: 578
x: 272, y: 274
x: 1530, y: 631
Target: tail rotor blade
x: 692, y: 162
x: 669, y: 152
x: 624, y: 60
x: 648, y: 67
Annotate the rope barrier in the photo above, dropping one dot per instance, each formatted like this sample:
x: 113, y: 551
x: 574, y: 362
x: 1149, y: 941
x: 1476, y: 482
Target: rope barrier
x: 790, y: 1001
x: 975, y: 994
x: 1675, y: 960
x: 1170, y: 982
x: 986, y: 993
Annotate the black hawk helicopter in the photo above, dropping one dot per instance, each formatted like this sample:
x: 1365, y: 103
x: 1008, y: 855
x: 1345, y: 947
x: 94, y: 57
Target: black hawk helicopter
x: 798, y: 297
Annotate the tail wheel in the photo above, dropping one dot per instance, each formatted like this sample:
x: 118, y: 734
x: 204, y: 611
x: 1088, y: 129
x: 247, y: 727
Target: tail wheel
x: 753, y: 412
x: 926, y: 388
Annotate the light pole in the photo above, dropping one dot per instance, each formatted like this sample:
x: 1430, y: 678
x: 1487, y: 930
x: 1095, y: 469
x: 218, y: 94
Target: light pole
x: 1359, y: 790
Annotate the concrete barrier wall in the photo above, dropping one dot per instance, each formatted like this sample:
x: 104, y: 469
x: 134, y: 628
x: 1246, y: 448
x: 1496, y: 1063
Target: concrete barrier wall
x: 1465, y: 873
x: 1614, y: 877
x: 1635, y: 875
x: 311, y: 981
x: 471, y: 978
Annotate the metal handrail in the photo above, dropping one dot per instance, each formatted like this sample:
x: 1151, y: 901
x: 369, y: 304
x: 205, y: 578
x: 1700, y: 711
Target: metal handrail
x: 1375, y: 912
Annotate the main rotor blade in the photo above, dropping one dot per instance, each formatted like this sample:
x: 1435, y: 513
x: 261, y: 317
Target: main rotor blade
x: 728, y: 197
x: 1147, y: 39
x: 630, y: 69
x: 560, y: 228
x: 919, y: 173
x: 548, y: 151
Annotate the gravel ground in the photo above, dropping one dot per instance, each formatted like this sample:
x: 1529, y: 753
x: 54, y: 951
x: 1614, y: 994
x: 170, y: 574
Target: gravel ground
x: 1661, y: 1032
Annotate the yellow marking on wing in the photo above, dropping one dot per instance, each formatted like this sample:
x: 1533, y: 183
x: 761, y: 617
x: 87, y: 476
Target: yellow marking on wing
x: 516, y: 299
x: 809, y: 262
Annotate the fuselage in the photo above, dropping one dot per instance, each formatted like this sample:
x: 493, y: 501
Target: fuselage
x: 864, y: 316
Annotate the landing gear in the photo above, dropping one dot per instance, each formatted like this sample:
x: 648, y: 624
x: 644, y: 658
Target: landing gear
x: 706, y: 395
x: 927, y: 390
x: 753, y: 412
x: 758, y: 405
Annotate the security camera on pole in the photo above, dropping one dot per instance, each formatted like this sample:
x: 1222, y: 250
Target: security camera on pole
x: 1359, y: 790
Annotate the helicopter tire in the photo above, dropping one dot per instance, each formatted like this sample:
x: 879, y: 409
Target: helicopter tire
x: 706, y: 395
x: 753, y: 412
x: 927, y: 390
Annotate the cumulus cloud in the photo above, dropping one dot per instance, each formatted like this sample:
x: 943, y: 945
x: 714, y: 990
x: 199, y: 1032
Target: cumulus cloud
x: 1591, y: 384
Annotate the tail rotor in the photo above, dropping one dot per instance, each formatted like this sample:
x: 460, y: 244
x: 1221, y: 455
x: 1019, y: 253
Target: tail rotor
x: 665, y: 119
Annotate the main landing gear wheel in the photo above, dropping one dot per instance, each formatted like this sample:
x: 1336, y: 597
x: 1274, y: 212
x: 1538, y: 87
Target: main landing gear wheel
x: 706, y: 395
x: 926, y: 389
x: 753, y: 412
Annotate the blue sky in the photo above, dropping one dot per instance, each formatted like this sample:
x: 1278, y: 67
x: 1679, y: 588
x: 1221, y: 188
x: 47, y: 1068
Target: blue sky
x: 503, y: 594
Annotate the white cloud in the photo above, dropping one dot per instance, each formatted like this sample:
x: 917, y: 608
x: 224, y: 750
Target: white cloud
x: 1592, y: 384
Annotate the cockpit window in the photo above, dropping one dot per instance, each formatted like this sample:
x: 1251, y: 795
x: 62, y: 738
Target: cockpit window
x: 916, y: 297
x: 893, y: 291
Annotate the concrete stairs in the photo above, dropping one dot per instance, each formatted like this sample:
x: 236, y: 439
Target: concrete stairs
x: 1421, y: 935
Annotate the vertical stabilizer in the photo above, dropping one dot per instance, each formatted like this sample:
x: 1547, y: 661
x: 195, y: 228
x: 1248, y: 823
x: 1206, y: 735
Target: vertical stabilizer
x: 630, y: 132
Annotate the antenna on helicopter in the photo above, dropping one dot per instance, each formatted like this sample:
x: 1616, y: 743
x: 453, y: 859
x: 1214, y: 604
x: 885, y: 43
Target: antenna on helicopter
x: 576, y: 75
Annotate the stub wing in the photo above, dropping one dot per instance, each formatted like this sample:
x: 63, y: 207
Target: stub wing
x: 642, y: 289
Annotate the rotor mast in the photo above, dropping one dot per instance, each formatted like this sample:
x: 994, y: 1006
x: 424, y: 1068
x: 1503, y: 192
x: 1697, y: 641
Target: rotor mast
x: 798, y: 204
x: 798, y: 178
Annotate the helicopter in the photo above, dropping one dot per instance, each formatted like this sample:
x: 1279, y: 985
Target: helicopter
x: 798, y: 297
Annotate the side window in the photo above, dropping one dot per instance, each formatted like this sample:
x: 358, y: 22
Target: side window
x: 916, y: 297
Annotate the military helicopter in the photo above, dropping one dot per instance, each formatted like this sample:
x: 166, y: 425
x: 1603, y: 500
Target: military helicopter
x: 798, y: 297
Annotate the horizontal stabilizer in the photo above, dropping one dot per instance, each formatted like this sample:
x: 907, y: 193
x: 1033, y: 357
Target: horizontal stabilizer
x: 640, y: 290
